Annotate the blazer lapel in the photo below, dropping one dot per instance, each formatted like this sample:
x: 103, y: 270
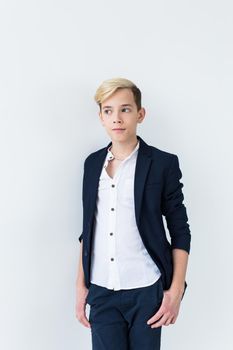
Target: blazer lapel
x: 141, y: 170
x: 142, y: 167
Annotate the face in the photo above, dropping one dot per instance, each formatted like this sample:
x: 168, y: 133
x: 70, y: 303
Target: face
x: 119, y: 111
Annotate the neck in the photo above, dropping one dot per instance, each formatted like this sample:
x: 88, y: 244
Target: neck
x: 123, y: 149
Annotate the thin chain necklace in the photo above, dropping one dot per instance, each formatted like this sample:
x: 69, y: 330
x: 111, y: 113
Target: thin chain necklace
x: 115, y: 157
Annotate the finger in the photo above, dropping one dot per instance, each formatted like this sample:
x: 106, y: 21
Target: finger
x: 160, y: 322
x: 174, y: 319
x: 81, y: 314
x: 168, y: 321
x: 156, y: 316
x: 85, y: 321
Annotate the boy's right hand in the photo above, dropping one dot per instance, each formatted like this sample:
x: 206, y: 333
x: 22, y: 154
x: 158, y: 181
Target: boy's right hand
x: 80, y: 308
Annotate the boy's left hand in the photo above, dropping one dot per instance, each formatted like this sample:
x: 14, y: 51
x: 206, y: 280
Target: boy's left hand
x: 168, y: 310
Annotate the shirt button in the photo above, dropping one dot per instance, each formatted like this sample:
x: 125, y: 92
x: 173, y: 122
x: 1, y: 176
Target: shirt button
x: 112, y: 208
x: 112, y: 259
x: 113, y: 185
x: 111, y: 233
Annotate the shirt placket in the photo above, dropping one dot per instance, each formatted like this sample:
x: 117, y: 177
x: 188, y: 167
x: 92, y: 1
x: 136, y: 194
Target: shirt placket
x: 114, y: 280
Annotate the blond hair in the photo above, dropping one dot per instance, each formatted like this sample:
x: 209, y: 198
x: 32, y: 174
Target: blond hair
x: 108, y: 87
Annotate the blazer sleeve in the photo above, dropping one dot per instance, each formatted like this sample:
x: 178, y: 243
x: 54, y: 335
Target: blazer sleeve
x: 84, y: 170
x: 173, y: 208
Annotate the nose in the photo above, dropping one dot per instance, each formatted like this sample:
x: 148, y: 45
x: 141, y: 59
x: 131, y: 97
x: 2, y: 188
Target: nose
x: 117, y: 118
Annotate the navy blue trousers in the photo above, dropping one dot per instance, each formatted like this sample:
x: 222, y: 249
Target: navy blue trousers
x: 119, y: 318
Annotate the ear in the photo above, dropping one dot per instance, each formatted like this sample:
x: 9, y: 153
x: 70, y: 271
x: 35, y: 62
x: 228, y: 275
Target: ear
x: 101, y: 118
x: 141, y: 114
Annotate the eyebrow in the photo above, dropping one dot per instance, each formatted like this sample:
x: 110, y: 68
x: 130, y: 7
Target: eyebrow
x: 125, y: 104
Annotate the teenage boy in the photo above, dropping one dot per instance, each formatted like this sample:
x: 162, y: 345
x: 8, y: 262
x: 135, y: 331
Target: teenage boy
x: 132, y: 277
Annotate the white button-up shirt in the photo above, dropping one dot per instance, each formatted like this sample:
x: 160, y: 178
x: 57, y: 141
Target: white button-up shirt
x: 119, y: 259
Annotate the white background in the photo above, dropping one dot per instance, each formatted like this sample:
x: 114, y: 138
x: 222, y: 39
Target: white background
x: 54, y: 55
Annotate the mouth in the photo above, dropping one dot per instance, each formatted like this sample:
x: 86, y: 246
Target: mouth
x: 118, y: 129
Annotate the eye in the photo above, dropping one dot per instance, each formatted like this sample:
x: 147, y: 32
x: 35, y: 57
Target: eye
x: 106, y: 111
x: 109, y: 110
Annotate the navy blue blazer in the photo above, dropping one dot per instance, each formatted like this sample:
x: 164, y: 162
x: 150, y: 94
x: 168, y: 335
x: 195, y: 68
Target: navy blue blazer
x: 157, y: 193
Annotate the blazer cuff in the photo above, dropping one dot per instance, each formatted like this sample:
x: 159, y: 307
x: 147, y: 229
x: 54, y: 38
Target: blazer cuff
x: 80, y: 237
x: 181, y: 245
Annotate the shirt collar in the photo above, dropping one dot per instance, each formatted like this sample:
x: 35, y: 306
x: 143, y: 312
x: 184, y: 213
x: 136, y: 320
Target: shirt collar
x: 110, y: 155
